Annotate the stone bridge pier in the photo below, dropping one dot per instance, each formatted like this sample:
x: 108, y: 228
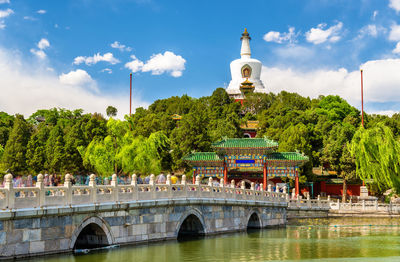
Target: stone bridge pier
x: 39, y: 231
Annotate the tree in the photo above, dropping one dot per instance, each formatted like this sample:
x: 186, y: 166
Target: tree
x: 15, y: 150
x: 192, y: 134
x: 1, y: 151
x: 74, y: 138
x: 6, y: 124
x: 377, y: 156
x: 335, y: 153
x: 55, y: 151
x: 111, y: 111
x: 36, y: 149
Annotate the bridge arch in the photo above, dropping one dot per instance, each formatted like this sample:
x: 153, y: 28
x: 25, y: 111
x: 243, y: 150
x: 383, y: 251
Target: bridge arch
x: 92, y: 229
x: 191, y: 224
x: 254, y: 220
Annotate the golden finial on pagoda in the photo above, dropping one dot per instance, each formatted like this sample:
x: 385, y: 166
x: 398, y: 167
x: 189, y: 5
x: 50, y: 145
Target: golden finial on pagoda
x: 245, y: 34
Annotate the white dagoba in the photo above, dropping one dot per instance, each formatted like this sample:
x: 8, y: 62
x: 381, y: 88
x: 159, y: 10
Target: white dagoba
x: 245, y: 69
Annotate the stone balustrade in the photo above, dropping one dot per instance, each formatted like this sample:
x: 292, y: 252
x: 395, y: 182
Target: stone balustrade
x: 365, y: 206
x: 66, y: 195
x: 310, y: 204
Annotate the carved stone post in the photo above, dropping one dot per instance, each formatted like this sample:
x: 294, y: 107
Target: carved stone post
x: 10, y: 191
x: 93, y: 188
x: 198, y: 186
x: 134, y: 180
x: 183, y: 182
x: 68, y: 189
x: 210, y: 181
x: 277, y: 189
x: 114, y: 184
x: 42, y: 192
x: 233, y: 185
x: 134, y: 187
x: 168, y: 182
x: 243, y: 185
x: 269, y: 188
x: 152, y: 184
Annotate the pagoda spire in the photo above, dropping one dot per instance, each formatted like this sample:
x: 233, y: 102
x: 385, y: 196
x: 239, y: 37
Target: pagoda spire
x: 245, y: 50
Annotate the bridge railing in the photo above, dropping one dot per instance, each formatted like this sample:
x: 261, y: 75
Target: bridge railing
x: 309, y: 203
x: 41, y: 196
x: 366, y: 206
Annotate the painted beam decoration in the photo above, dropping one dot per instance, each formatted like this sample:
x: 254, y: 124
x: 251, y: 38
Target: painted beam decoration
x: 210, y: 171
x: 247, y: 162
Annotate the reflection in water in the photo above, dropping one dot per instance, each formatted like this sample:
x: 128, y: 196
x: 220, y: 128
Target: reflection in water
x: 306, y: 240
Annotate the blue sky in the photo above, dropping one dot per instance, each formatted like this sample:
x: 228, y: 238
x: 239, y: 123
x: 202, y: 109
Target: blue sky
x: 78, y: 54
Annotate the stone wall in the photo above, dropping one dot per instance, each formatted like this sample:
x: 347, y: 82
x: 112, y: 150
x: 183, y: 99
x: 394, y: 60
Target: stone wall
x: 38, y: 231
x: 293, y: 213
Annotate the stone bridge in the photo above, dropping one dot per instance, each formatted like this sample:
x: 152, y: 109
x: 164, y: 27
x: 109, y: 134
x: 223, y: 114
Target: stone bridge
x: 43, y: 220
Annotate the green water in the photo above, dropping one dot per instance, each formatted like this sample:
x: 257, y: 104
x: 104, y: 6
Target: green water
x: 305, y: 240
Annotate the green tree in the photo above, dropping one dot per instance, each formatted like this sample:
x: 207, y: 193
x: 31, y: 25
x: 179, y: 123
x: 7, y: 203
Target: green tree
x: 15, y: 150
x: 55, y: 152
x: 335, y: 153
x: 6, y: 124
x: 111, y: 111
x: 377, y: 156
x: 192, y: 134
x: 36, y: 149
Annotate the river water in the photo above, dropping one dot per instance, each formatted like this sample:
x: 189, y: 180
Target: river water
x: 305, y: 240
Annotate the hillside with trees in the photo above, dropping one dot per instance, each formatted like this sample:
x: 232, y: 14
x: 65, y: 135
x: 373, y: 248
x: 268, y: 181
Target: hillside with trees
x: 327, y: 129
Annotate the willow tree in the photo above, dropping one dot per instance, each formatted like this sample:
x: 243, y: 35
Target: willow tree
x: 377, y: 156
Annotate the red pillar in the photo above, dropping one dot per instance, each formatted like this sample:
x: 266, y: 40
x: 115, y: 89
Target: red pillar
x: 265, y: 180
x: 225, y: 173
x: 297, y: 182
x: 194, y: 177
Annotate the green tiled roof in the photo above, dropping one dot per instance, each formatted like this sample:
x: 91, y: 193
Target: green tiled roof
x: 289, y: 156
x: 245, y: 143
x: 202, y: 156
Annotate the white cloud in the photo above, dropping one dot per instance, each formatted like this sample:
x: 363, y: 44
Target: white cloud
x: 159, y: 64
x: 374, y: 14
x: 320, y: 35
x: 369, y: 30
x: 41, y: 11
x: 43, y: 43
x: 381, y: 82
x: 395, y: 4
x: 167, y: 62
x: 90, y: 60
x: 6, y: 12
x: 39, y: 53
x: 2, y: 25
x: 24, y: 93
x: 108, y: 70
x: 4, y: 1
x: 120, y: 46
x: 78, y: 77
x: 277, y: 37
x: 135, y: 65
x: 29, y: 18
x: 397, y: 49
x: 394, y: 34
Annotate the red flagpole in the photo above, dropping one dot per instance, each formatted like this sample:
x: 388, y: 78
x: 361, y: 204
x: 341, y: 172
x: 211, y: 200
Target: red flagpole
x: 362, y: 99
x: 130, y: 96
x: 362, y: 106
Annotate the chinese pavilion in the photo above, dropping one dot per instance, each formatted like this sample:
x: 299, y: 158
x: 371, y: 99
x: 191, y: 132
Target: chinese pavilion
x: 254, y: 159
